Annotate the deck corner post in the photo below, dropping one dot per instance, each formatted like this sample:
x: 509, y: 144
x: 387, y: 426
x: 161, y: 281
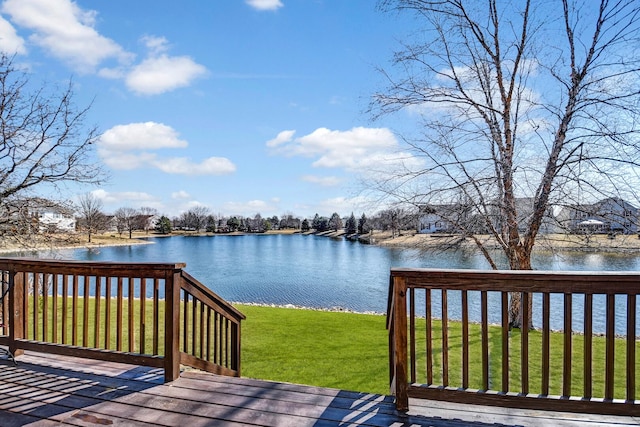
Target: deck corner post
x: 17, y: 311
x: 399, y: 383
x: 172, y: 325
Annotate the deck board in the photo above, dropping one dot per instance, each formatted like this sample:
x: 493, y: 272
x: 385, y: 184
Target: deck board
x: 46, y: 390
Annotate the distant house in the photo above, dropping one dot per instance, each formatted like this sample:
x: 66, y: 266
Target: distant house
x: 455, y: 217
x: 37, y: 215
x: 55, y: 220
x: 445, y: 218
x: 608, y: 216
x: 433, y: 219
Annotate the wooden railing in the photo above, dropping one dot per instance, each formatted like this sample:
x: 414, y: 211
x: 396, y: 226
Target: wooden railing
x: 449, y: 339
x: 149, y: 314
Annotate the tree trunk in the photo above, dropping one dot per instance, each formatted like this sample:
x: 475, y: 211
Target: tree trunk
x: 515, y: 298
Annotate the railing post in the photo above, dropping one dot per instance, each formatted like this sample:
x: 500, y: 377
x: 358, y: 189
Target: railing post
x: 172, y: 326
x: 400, y: 385
x: 235, y: 347
x: 16, y: 311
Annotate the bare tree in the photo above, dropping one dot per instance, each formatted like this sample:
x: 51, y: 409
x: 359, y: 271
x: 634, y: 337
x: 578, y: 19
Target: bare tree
x: 43, y: 140
x: 505, y: 113
x: 147, y: 213
x: 92, y: 219
x: 127, y: 219
x: 195, y: 218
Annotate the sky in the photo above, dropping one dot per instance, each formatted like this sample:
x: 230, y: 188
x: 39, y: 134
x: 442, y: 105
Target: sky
x: 241, y: 106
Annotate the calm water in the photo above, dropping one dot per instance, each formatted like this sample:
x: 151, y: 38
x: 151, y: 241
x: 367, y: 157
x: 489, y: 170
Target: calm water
x: 321, y: 272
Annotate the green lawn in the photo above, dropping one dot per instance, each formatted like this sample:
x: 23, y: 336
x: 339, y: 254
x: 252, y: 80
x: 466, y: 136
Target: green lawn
x: 340, y: 350
x: 350, y: 351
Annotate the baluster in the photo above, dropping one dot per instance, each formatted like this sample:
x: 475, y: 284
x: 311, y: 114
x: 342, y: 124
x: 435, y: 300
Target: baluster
x: 567, y: 352
x: 97, y: 304
x: 485, y: 339
x: 610, y: 347
x: 412, y: 334
x: 505, y: 340
x: 465, y: 339
x: 588, y: 345
x: 546, y: 354
x: 107, y: 312
x: 119, y: 312
x: 631, y: 347
x: 445, y: 340
x: 429, y: 340
x: 143, y: 311
x: 131, y: 318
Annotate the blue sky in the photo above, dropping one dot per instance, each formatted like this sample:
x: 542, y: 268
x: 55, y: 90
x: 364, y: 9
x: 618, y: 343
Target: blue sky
x: 243, y: 106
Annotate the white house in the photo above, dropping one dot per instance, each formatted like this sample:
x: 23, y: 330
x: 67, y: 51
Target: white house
x: 55, y: 219
x: 433, y: 219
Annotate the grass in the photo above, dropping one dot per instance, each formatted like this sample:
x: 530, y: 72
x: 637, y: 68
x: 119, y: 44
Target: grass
x: 350, y: 351
x: 327, y: 349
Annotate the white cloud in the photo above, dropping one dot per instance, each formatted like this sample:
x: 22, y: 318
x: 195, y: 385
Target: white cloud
x: 325, y: 181
x: 265, y: 4
x: 283, y: 137
x: 65, y: 31
x: 184, y: 166
x: 343, y: 206
x: 180, y: 195
x: 10, y: 41
x: 252, y: 207
x: 133, y: 146
x: 358, y: 149
x: 124, y: 197
x: 159, y: 72
x: 148, y: 135
x: 162, y: 74
x: 156, y: 45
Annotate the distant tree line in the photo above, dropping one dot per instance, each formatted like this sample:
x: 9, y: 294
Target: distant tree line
x: 198, y: 219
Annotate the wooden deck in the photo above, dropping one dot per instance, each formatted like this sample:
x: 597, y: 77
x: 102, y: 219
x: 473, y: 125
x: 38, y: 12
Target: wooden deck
x: 48, y: 390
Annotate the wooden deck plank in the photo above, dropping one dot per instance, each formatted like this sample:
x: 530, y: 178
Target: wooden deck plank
x: 21, y: 420
x: 45, y: 390
x: 42, y: 413
x: 190, y: 405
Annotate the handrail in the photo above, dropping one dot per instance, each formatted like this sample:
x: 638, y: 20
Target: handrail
x: 449, y: 339
x: 122, y: 312
x: 210, y: 330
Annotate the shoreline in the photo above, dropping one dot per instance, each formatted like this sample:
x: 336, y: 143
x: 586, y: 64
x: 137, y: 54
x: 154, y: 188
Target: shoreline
x: 623, y: 244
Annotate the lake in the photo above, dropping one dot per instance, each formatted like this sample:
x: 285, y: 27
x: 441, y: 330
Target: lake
x: 320, y: 272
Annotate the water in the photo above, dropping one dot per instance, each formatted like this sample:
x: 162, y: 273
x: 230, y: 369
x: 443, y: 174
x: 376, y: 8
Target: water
x: 320, y: 272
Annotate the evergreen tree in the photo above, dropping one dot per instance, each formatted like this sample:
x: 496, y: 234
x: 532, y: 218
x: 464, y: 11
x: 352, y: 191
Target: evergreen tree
x: 211, y: 224
x: 351, y: 226
x: 323, y: 224
x: 363, y: 227
x: 233, y: 223
x: 335, y: 223
x: 164, y: 225
x: 305, y: 225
